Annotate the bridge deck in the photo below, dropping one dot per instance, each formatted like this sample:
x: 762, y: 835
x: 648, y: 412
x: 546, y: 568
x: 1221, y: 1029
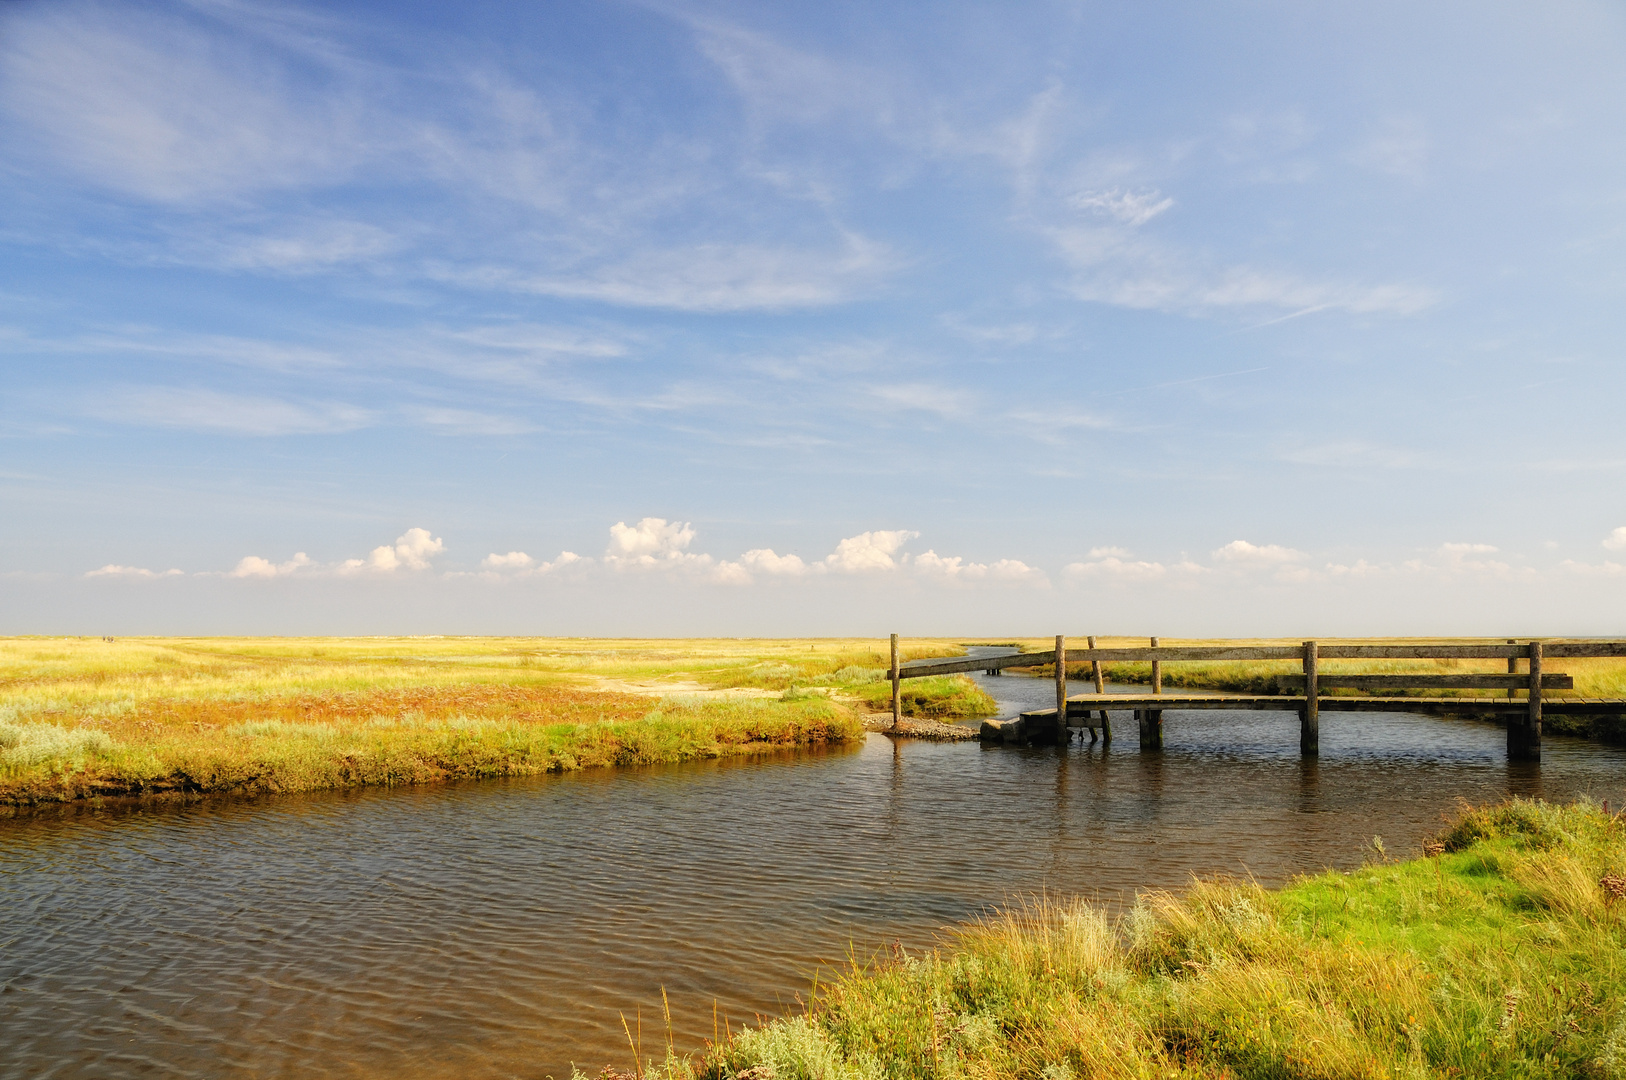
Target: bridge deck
x: 1080, y: 703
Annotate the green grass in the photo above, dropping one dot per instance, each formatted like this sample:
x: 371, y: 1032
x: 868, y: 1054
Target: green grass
x: 1500, y: 954
x: 46, y: 763
x: 937, y: 697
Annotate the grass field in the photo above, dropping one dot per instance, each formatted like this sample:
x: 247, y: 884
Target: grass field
x: 84, y: 717
x: 1500, y: 953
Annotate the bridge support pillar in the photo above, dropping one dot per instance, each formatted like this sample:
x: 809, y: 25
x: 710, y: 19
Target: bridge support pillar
x: 1310, y: 715
x: 1151, y: 728
x: 1524, y: 732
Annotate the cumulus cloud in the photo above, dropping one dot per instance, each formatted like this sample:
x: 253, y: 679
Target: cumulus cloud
x: 114, y: 570
x: 730, y: 573
x: 1243, y: 553
x: 253, y: 566
x: 1616, y: 540
x: 653, y: 542
x: 1466, y: 558
x: 869, y: 551
x: 517, y: 564
x: 412, y: 550
x: 1360, y: 568
x: 1113, y: 568
x: 1109, y: 553
x: 766, y: 561
x: 955, y: 568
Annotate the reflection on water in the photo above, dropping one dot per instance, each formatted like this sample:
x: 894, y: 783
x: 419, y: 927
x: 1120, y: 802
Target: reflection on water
x: 502, y: 929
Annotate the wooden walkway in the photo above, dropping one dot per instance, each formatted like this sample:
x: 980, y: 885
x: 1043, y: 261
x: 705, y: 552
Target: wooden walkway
x: 1088, y: 712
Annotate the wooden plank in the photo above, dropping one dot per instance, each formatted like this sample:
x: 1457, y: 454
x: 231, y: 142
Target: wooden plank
x: 1558, y: 650
x: 1421, y: 652
x: 917, y: 669
x: 1549, y: 681
x: 1187, y: 652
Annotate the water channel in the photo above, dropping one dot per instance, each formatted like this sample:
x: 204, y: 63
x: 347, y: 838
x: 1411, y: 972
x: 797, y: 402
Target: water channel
x: 504, y: 929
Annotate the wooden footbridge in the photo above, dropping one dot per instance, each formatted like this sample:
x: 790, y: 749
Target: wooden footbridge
x: 1522, y: 706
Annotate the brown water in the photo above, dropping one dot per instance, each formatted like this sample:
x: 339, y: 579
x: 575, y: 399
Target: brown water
x: 503, y: 929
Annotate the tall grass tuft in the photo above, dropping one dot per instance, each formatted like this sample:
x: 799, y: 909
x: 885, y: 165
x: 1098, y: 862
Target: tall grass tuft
x: 1501, y: 954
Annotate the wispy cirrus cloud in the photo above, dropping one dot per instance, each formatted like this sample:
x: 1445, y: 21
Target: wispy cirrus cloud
x: 198, y: 409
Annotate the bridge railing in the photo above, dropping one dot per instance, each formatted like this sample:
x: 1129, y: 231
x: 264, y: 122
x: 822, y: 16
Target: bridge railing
x: 1524, y: 725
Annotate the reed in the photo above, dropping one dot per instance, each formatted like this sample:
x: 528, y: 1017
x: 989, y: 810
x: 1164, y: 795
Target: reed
x: 1501, y: 951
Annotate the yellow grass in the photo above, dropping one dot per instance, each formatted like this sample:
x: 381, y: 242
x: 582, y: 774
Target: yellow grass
x: 83, y: 716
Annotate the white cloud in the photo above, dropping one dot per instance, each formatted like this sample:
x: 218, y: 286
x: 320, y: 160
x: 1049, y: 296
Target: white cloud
x: 307, y: 247
x: 1109, y: 552
x: 1461, y: 558
x: 196, y: 409
x: 711, y: 277
x: 256, y: 567
x: 946, y: 402
x: 729, y: 573
x: 1114, y: 568
x: 1129, y: 207
x: 1242, y: 552
x: 155, y: 107
x: 653, y: 542
x: 766, y: 561
x: 115, y: 570
x: 1452, y: 550
x: 517, y: 564
x: 869, y: 551
x: 955, y: 568
x: 1616, y: 540
x: 1360, y: 568
x: 412, y: 550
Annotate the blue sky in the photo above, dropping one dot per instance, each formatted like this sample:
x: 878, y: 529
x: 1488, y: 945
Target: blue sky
x: 812, y: 318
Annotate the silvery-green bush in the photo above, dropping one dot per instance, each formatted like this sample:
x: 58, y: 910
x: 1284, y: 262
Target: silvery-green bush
x: 23, y: 745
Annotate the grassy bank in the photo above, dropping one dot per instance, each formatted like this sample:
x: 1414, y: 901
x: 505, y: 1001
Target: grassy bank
x: 82, y: 717
x: 940, y: 697
x: 1502, y: 953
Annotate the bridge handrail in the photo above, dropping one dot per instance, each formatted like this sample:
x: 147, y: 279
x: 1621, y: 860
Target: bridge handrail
x: 1552, y: 650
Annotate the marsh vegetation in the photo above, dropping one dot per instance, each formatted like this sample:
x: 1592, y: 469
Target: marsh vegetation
x: 88, y: 717
x: 1501, y: 951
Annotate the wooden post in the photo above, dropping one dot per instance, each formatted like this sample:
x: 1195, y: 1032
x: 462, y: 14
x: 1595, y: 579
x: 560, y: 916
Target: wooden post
x: 1151, y: 720
x: 1310, y: 717
x: 1100, y: 688
x: 897, y: 702
x: 1512, y: 669
x: 1061, y: 690
x: 1524, y: 735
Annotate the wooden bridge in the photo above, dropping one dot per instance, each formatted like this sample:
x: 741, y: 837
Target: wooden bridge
x: 1521, y: 707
